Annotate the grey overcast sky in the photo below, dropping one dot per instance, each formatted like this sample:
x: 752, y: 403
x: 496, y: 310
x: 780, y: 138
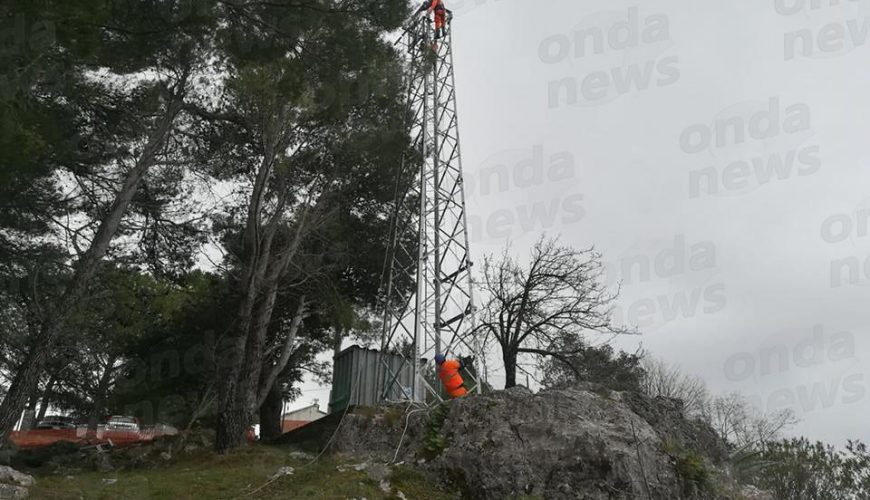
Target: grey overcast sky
x: 715, y: 152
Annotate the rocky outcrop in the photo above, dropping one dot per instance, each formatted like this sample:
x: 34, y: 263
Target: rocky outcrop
x: 13, y: 484
x: 753, y: 493
x: 579, y: 442
x: 564, y: 444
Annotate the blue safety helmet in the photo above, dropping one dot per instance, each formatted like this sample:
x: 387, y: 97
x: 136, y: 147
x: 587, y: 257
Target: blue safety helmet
x: 439, y: 358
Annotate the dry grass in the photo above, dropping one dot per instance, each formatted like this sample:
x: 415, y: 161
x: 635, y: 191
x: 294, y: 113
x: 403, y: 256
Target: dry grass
x: 241, y: 474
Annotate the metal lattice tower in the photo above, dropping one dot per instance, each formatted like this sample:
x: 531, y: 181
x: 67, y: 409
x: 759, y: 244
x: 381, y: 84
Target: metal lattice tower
x: 428, y: 300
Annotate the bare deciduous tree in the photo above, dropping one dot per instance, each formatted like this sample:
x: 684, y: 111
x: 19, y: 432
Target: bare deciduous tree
x: 744, y: 427
x: 531, y: 309
x: 732, y: 416
x: 668, y: 381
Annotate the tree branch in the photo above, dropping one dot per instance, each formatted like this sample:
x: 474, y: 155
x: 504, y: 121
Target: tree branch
x: 281, y: 363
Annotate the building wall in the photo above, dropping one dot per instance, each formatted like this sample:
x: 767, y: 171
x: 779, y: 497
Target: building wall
x: 306, y: 414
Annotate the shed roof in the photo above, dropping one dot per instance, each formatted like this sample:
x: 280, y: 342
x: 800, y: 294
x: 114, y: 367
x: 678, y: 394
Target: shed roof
x: 290, y: 414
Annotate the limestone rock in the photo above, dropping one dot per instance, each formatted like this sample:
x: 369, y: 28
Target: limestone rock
x: 13, y: 484
x: 753, y: 493
x: 378, y: 472
x: 283, y: 471
x: 12, y: 492
x: 560, y: 444
x: 8, y: 475
x: 301, y: 456
x: 578, y: 442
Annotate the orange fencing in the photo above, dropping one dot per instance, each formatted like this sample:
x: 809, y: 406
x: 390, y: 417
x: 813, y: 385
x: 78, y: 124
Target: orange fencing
x: 44, y: 437
x: 39, y: 438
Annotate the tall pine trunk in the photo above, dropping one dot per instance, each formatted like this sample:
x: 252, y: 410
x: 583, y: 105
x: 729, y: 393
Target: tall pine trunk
x: 29, y: 421
x: 232, y: 420
x: 100, y: 397
x: 270, y: 414
x: 241, y: 393
x: 243, y: 365
x: 337, y: 340
x: 336, y: 350
x: 233, y: 410
x: 46, y: 397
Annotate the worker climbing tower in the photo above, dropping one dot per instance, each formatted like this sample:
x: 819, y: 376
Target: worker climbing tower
x: 428, y: 301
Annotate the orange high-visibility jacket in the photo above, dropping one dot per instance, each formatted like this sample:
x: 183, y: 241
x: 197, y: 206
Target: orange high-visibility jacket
x: 450, y: 377
x: 436, y: 6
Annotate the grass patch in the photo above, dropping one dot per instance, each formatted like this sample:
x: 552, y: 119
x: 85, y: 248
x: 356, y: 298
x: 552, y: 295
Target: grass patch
x: 211, y: 476
x: 414, y: 484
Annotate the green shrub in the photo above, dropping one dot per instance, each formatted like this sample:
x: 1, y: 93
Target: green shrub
x: 435, y: 442
x: 691, y: 468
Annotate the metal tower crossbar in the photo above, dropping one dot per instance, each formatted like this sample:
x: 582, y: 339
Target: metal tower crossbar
x: 428, y: 301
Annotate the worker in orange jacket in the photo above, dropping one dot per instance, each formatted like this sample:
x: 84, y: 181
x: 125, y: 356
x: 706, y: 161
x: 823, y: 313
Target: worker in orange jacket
x: 442, y: 15
x: 448, y: 372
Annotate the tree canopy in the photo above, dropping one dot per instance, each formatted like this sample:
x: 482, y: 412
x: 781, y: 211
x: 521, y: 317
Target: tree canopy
x: 189, y: 179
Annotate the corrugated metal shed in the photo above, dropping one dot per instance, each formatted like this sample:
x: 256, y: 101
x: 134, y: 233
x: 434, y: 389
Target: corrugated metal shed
x: 358, y: 378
